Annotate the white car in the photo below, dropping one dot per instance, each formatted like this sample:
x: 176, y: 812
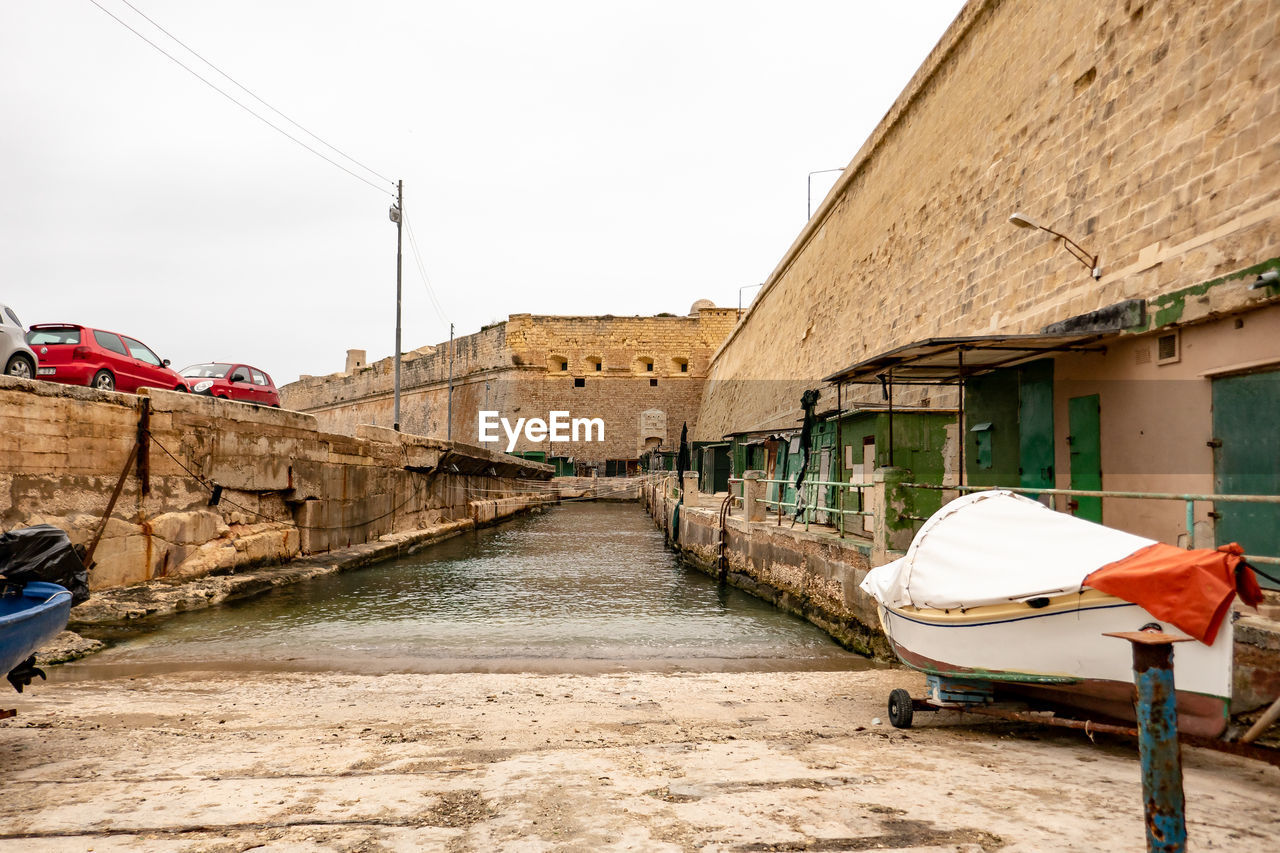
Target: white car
x: 17, y: 358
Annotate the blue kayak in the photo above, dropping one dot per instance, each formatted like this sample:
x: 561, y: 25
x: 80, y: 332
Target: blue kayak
x: 30, y: 616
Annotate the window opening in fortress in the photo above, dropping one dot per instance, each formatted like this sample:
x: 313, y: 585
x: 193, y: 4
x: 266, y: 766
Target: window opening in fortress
x: 579, y: 382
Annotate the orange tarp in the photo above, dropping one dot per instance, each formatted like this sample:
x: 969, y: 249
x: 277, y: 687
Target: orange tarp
x: 1193, y: 590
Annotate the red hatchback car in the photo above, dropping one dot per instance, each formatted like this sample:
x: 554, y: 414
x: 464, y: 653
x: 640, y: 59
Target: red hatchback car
x: 231, y: 381
x: 78, y: 355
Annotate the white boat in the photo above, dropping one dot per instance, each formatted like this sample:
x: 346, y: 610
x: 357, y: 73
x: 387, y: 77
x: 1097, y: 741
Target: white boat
x: 998, y: 590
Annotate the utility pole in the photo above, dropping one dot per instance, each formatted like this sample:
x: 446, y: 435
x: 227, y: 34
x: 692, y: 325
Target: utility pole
x: 397, y: 216
x: 449, y: 428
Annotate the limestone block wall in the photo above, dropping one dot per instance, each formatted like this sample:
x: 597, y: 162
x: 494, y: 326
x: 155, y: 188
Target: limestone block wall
x: 1146, y: 131
x: 286, y: 487
x: 529, y: 366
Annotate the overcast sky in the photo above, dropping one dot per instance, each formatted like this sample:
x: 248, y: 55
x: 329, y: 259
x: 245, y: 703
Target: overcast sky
x: 558, y: 158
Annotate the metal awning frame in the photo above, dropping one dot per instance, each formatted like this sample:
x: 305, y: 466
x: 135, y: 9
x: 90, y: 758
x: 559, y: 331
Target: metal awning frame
x: 927, y: 362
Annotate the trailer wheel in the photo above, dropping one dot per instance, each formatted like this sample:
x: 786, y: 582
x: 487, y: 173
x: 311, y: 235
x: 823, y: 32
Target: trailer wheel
x: 900, y: 709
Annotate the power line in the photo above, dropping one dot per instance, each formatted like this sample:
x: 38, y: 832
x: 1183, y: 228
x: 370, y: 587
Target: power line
x: 251, y: 94
x: 260, y: 118
x: 413, y: 246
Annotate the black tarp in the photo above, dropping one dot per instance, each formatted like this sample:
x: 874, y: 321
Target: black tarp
x: 43, y: 553
x: 807, y: 402
x: 682, y: 457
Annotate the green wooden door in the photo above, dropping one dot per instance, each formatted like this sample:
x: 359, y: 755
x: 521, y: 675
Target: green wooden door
x: 723, y: 465
x: 1085, y: 439
x: 1246, y: 461
x: 1035, y: 425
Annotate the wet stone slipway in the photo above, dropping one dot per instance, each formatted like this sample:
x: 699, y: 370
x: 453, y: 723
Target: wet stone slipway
x: 491, y: 708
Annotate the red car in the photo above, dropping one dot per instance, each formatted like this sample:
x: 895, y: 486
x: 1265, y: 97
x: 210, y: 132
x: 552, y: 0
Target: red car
x: 231, y: 381
x: 78, y: 355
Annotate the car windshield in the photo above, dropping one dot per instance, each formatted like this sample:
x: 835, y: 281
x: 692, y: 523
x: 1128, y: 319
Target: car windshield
x: 36, y: 337
x: 206, y: 371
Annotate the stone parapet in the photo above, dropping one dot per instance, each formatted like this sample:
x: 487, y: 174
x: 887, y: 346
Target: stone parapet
x: 228, y: 485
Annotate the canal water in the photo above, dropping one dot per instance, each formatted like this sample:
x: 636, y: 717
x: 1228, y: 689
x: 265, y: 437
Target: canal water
x: 582, y: 587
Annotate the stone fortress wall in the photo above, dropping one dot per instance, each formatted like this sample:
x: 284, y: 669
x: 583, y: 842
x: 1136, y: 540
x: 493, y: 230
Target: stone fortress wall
x: 1147, y: 132
x: 286, y: 488
x: 642, y: 376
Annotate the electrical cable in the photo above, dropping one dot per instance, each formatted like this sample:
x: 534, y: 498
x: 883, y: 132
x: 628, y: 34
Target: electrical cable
x: 224, y: 94
x: 422, y: 270
x: 253, y: 95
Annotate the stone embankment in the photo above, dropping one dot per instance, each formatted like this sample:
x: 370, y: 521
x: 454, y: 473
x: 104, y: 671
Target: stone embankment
x: 212, y: 487
x: 812, y: 574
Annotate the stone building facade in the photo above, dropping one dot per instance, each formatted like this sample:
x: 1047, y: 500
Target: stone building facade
x: 641, y: 376
x: 1148, y: 134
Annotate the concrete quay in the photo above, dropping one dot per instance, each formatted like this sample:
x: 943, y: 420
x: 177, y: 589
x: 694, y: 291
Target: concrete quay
x: 742, y: 762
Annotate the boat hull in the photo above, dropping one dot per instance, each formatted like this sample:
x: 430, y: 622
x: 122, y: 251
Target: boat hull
x: 1057, y: 653
x: 30, y: 617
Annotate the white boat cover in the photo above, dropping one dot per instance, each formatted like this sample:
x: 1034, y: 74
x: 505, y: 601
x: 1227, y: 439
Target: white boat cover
x: 995, y: 546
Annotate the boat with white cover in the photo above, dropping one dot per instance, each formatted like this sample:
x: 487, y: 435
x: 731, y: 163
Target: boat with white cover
x: 998, y: 590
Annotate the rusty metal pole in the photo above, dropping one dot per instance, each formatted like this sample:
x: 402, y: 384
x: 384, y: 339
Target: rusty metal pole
x: 1164, y: 806
x: 144, y: 447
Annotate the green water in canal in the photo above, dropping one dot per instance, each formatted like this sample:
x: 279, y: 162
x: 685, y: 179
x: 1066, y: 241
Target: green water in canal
x: 582, y: 587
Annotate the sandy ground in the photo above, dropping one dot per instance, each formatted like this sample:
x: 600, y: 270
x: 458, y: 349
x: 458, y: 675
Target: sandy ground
x: 644, y: 761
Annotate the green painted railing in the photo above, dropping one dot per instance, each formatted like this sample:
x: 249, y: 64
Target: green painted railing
x: 1189, y: 499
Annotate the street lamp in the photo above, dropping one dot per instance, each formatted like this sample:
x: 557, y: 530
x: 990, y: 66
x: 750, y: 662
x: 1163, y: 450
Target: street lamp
x: 397, y: 216
x: 1090, y: 261
x: 811, y: 174
x: 745, y: 287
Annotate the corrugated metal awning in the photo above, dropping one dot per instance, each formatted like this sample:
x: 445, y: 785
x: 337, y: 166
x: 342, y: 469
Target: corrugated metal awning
x: 936, y: 361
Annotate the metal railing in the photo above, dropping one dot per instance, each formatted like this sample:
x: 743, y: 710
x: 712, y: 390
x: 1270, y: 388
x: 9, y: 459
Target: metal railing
x: 814, y: 504
x: 1189, y: 499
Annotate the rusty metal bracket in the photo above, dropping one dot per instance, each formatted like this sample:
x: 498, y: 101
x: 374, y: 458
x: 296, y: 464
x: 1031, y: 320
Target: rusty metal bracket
x: 111, y: 504
x: 144, y: 447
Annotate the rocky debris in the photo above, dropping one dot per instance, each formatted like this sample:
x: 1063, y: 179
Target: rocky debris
x: 67, y: 646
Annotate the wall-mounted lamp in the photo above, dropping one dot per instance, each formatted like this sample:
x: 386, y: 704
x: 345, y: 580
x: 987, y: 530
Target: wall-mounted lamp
x: 1090, y: 261
x: 811, y: 174
x: 746, y: 287
x: 1270, y: 278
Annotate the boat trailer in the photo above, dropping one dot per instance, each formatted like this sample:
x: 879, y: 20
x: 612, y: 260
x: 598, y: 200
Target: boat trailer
x: 902, y: 706
x: 1156, y: 732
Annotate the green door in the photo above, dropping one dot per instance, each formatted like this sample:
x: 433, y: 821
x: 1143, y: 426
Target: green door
x: 723, y: 463
x: 1035, y: 425
x: 1085, y: 425
x: 1246, y: 461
